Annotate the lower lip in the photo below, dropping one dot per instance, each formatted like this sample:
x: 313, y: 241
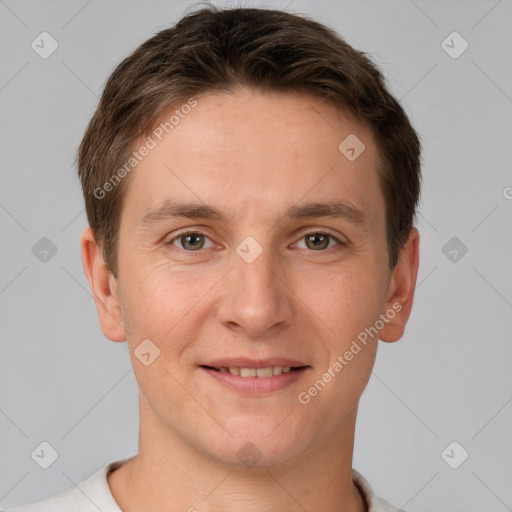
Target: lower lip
x: 256, y: 385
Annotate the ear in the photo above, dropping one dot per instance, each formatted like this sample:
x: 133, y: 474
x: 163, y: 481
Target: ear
x: 104, y: 288
x: 401, y: 289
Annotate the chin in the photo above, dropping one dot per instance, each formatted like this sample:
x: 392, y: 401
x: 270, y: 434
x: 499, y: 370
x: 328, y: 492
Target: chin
x: 262, y: 445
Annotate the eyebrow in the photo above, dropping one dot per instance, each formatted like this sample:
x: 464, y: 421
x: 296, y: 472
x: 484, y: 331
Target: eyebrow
x: 171, y: 209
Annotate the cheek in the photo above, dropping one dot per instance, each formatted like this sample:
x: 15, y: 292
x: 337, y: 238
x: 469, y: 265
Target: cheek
x: 344, y: 304
x: 350, y: 307
x: 345, y: 301
x: 162, y: 303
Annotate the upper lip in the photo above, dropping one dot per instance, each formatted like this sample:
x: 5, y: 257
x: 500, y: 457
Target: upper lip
x: 244, y: 362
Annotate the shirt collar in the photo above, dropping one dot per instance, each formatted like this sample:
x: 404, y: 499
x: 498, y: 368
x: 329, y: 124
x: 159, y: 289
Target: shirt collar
x: 372, y: 502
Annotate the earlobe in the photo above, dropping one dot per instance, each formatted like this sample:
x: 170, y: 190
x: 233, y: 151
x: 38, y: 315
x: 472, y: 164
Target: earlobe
x: 103, y: 286
x: 401, y: 289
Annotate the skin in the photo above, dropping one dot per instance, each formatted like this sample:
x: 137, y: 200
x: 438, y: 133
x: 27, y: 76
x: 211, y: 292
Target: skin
x: 251, y: 155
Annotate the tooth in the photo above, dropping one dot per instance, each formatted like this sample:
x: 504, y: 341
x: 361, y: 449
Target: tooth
x: 257, y: 372
x: 264, y: 372
x: 247, y: 372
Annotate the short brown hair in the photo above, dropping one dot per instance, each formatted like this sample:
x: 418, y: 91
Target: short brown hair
x: 218, y: 50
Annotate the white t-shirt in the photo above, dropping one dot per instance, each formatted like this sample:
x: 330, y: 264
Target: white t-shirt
x: 93, y: 494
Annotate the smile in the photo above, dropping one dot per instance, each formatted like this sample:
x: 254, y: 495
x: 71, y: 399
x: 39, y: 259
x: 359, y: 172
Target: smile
x: 255, y: 372
x: 249, y: 379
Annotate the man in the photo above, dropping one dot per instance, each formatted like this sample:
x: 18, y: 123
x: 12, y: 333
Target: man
x: 250, y: 186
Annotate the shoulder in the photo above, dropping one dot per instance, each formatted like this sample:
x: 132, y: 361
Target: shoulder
x: 381, y: 505
x: 59, y: 502
x: 374, y: 503
x: 89, y: 495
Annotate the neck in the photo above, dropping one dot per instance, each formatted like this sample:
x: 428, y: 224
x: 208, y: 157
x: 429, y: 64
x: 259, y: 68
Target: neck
x: 169, y: 474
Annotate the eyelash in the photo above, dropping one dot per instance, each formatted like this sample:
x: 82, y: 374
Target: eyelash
x: 303, y: 235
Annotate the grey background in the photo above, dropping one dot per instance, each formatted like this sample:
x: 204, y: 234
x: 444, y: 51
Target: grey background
x: 447, y: 380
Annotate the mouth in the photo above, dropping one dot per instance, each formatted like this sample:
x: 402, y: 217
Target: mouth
x: 255, y: 377
x: 267, y: 371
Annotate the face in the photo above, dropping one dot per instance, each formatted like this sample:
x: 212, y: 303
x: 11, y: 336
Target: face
x: 250, y: 244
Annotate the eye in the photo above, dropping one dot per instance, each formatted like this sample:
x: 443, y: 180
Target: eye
x: 190, y: 241
x: 319, y: 240
x: 193, y: 241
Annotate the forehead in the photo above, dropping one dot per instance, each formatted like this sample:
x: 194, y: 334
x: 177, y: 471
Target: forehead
x: 256, y: 151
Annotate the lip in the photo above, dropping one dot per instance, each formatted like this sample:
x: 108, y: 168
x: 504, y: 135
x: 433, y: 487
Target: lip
x: 243, y: 362
x: 255, y: 385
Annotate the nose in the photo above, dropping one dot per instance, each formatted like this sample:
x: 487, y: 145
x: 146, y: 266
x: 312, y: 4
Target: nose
x: 256, y: 298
